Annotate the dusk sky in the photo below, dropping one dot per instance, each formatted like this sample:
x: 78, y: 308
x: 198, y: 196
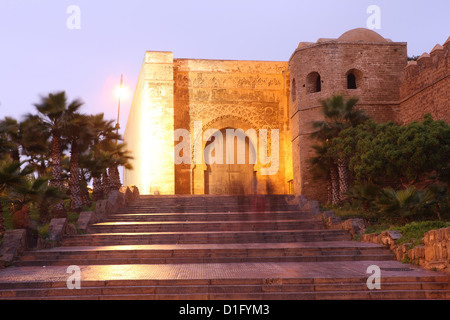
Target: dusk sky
x: 40, y: 54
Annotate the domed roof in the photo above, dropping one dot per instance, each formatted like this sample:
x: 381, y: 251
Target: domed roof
x: 361, y: 35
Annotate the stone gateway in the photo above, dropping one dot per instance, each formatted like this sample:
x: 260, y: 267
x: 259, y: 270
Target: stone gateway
x: 206, y: 98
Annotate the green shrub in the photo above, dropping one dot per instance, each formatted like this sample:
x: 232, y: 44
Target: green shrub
x: 44, y: 231
x: 413, y: 232
x: 72, y: 217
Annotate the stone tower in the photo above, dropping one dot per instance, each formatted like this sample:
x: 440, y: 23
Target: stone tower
x: 359, y: 63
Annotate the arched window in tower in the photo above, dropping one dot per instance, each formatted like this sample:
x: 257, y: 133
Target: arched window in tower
x: 294, y: 90
x: 351, y: 81
x: 318, y: 84
x: 313, y: 82
x: 354, y: 79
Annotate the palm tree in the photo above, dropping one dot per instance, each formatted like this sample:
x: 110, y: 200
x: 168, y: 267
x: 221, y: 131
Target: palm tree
x: 55, y: 114
x: 401, y: 204
x: 93, y: 164
x: 323, y: 166
x: 339, y: 114
x: 102, y: 130
x: 114, y: 154
x: 35, y: 143
x: 11, y: 175
x: 9, y: 130
x: 119, y: 157
x: 19, y: 187
x: 78, y: 135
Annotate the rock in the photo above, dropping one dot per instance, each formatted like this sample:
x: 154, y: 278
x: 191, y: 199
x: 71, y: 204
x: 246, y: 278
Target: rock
x: 100, y: 210
x: 371, y: 237
x: 438, y: 265
x: 135, y: 191
x: 354, y: 226
x: 429, y: 253
x: 389, y: 237
x: 417, y: 253
x: 127, y: 193
x: 57, y: 229
x: 394, y: 235
x: 14, y: 244
x: 116, y: 201
x: 85, y: 219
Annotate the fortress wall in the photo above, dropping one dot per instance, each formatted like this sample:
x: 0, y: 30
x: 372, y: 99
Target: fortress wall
x: 426, y: 86
x: 177, y: 93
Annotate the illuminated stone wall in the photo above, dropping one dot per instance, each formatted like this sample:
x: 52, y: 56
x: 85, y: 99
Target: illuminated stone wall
x: 150, y: 127
x: 236, y: 94
x: 177, y: 93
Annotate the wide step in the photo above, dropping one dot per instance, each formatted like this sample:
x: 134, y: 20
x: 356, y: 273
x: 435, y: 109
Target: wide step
x: 187, y: 226
x: 282, y: 289
x: 274, y: 236
x: 154, y: 254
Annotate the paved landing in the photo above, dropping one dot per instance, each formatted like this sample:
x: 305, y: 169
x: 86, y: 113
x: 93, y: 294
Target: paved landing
x: 335, y: 270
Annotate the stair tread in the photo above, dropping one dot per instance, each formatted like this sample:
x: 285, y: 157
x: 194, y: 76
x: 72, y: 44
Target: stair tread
x: 320, y: 231
x: 289, y: 245
x: 119, y: 223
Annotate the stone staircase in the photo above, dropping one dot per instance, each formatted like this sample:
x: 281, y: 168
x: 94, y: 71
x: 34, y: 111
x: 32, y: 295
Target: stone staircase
x: 215, y: 247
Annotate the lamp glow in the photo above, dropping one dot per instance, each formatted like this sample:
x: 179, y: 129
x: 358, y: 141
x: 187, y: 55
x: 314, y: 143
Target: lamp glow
x: 122, y: 92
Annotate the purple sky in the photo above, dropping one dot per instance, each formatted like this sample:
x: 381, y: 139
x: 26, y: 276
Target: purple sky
x: 39, y: 54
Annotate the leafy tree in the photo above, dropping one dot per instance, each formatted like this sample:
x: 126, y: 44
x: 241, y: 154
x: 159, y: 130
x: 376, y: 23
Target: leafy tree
x: 393, y: 155
x: 401, y: 170
x: 441, y: 199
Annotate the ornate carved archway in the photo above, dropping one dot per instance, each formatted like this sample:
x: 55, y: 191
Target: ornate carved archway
x: 230, y: 158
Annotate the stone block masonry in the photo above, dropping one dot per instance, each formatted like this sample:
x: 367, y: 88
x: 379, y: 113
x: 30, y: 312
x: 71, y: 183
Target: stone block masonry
x: 219, y: 94
x: 436, y: 250
x: 433, y: 254
x: 322, y: 69
x: 426, y: 86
